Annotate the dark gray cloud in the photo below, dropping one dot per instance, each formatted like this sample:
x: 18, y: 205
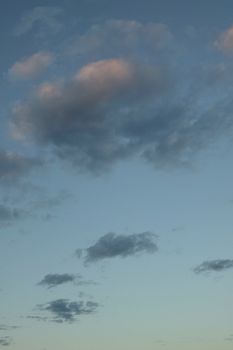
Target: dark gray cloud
x: 12, y: 165
x: 5, y: 341
x: 115, y: 109
x: 64, y: 310
x: 112, y: 245
x: 54, y: 280
x: 214, y: 265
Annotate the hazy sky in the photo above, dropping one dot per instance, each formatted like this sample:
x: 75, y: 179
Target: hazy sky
x: 116, y: 196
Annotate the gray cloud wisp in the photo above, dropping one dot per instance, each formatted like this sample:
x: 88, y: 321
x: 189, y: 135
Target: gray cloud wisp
x: 112, y: 245
x: 218, y: 265
x: 56, y: 279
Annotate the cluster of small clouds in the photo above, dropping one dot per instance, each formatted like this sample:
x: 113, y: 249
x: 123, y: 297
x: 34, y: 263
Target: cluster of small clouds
x: 107, y: 246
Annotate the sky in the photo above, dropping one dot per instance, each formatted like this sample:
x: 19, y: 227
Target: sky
x: 116, y: 196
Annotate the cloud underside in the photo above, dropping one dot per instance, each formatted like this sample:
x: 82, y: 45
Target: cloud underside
x: 64, y: 310
x: 218, y: 265
x: 112, y: 245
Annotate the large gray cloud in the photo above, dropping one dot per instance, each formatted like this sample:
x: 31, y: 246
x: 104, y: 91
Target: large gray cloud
x: 64, y: 310
x: 115, y: 109
x: 112, y: 245
x: 214, y: 265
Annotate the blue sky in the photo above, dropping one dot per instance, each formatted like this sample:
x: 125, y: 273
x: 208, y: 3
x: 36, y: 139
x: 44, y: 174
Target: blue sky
x: 116, y: 172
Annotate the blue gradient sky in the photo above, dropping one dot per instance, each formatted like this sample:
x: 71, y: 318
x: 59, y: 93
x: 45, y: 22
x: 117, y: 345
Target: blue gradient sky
x: 116, y: 142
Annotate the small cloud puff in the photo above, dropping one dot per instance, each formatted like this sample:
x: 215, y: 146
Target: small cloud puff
x: 31, y: 67
x: 224, y: 42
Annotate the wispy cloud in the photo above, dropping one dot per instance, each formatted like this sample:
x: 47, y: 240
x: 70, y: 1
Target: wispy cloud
x: 31, y: 67
x: 10, y: 215
x: 214, y: 265
x: 13, y: 165
x: 5, y: 341
x: 224, y: 42
x: 64, y: 310
x: 5, y: 327
x: 112, y: 245
x: 42, y: 19
x: 55, y: 279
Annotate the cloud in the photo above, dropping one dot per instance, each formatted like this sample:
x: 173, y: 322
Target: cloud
x: 4, y: 327
x: 13, y: 165
x: 5, y: 341
x: 120, y: 37
x: 112, y: 245
x: 41, y: 19
x: 54, y: 280
x: 10, y: 215
x: 83, y: 119
x: 214, y: 265
x: 63, y: 310
x: 224, y: 42
x: 31, y: 67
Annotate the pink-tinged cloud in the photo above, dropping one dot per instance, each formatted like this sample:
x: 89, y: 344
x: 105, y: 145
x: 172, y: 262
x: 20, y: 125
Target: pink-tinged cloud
x: 31, y: 67
x: 85, y: 118
x: 225, y: 41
